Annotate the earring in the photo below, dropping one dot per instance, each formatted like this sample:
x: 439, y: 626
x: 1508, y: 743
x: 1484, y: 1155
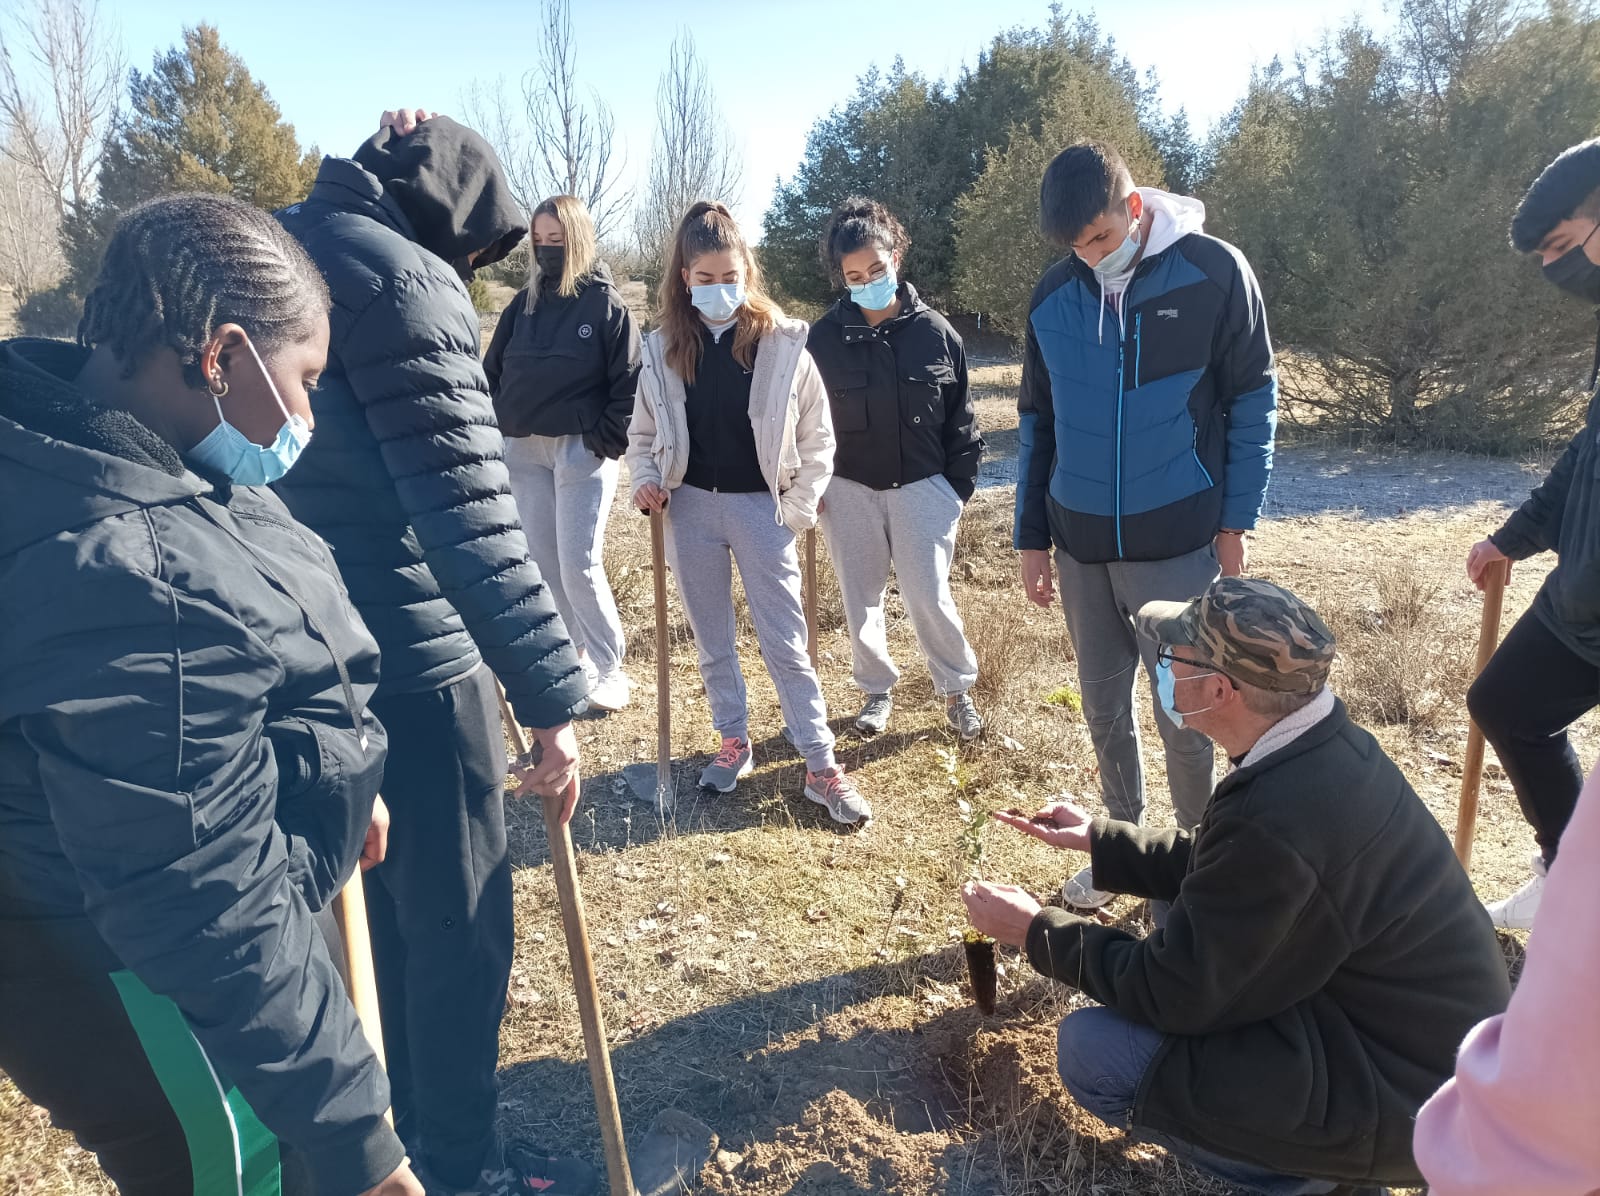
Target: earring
x: 216, y: 381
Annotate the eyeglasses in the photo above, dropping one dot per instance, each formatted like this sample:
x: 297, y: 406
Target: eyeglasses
x: 1166, y: 656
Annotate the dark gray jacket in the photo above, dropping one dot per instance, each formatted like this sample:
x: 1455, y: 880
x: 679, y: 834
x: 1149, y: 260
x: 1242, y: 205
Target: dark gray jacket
x: 405, y: 476
x: 181, y: 773
x: 1563, y: 516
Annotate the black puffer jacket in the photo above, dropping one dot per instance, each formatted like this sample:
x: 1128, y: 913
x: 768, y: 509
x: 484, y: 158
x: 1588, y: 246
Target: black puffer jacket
x: 181, y: 676
x: 405, y: 476
x: 901, y: 411
x: 569, y: 367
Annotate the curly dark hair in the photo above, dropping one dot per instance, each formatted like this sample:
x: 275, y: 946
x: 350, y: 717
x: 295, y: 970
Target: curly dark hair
x: 180, y: 266
x: 857, y: 223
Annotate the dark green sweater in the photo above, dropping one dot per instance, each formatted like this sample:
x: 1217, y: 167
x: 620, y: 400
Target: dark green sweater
x: 1324, y: 957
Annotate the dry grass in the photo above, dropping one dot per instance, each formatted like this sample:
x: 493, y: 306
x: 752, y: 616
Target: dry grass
x: 800, y: 988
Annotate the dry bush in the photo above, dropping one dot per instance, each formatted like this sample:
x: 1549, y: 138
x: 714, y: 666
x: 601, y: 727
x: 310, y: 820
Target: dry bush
x: 1405, y: 655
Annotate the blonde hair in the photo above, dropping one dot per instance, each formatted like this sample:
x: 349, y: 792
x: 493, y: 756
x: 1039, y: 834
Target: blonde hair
x: 708, y: 227
x: 582, y: 252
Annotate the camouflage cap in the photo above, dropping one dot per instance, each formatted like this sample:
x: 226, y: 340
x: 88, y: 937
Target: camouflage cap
x: 1255, y: 632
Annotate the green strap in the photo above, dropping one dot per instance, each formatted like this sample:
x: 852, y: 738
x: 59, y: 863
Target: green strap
x: 230, y: 1152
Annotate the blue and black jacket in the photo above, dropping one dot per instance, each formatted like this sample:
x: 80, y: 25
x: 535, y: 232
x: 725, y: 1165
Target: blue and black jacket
x: 1144, y: 436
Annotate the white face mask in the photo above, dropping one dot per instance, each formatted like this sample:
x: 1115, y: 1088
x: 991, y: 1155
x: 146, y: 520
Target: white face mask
x: 1120, y: 260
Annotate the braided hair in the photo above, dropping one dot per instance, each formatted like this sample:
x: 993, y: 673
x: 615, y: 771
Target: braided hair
x: 860, y: 223
x: 179, y: 267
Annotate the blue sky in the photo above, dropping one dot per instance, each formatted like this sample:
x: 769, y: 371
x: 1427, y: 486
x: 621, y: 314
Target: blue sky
x: 777, y: 65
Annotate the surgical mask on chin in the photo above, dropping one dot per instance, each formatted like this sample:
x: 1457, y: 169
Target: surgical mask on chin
x: 1575, y: 274
x: 877, y: 294
x: 1164, y: 692
x: 1119, y: 260
x: 230, y: 452
x: 718, y: 301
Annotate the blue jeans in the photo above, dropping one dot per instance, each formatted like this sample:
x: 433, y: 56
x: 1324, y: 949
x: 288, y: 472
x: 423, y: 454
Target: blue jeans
x: 1103, y: 1056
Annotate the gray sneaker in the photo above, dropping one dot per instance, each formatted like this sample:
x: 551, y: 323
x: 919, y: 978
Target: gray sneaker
x: 874, y: 716
x: 839, y: 794
x: 962, y: 716
x: 731, y: 763
x: 1079, y: 891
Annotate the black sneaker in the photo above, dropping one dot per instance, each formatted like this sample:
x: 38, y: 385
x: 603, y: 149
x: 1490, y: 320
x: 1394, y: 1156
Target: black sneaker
x: 528, y: 1171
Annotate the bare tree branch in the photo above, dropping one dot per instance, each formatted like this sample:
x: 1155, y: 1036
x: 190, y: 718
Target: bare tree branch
x: 30, y: 247
x: 59, y: 137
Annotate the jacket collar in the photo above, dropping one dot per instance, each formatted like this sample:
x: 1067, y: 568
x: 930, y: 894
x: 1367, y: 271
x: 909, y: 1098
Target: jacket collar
x: 343, y: 183
x: 853, y: 324
x: 1313, y: 738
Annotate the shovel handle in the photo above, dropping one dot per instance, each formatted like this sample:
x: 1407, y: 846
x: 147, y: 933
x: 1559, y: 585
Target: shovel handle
x: 350, y: 911
x: 1494, y: 597
x: 658, y: 570
x: 811, y: 595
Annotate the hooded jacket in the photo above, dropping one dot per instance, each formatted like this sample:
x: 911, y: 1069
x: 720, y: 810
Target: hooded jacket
x: 898, y: 392
x: 1146, y: 425
x: 186, y: 765
x: 405, y: 476
x: 1562, y: 515
x: 788, y: 413
x: 1322, y: 960
x: 568, y: 367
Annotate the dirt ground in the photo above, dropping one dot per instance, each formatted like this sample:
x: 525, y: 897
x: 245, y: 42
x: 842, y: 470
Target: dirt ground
x: 800, y: 988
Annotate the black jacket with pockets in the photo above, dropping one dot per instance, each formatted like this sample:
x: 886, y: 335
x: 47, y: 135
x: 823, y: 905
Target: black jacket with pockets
x: 181, y: 776
x: 405, y: 476
x: 1324, y: 957
x: 901, y: 411
x: 569, y: 367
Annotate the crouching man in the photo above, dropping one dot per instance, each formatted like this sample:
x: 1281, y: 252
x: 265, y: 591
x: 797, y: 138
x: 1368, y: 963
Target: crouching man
x: 1324, y: 953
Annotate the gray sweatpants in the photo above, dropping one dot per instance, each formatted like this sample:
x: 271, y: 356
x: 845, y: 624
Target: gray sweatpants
x: 563, y: 494
x: 1100, y: 601
x: 912, y: 528
x: 707, y: 533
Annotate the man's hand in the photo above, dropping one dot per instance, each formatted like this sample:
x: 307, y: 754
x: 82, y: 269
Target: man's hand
x: 1233, y: 553
x: 650, y: 497
x: 1038, y: 582
x: 400, y: 1183
x: 1060, y: 824
x: 1003, y: 912
x: 404, y: 121
x: 554, y: 768
x: 377, y: 842
x: 1483, y: 554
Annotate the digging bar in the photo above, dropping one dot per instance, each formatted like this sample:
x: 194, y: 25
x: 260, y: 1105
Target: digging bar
x: 656, y: 787
x: 350, y: 910
x: 677, y: 1146
x: 1494, y: 598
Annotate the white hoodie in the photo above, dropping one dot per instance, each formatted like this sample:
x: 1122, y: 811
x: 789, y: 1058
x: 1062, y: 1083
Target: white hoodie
x: 1171, y: 217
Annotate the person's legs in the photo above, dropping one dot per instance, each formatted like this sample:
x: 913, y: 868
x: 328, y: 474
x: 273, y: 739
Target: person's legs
x: 1190, y: 778
x: 769, y: 567
x: 447, y: 887
x: 698, y: 551
x: 1532, y: 689
x: 922, y: 534
x: 531, y: 463
x: 855, y: 524
x: 1108, y: 656
x: 1103, y: 1057
x: 584, y: 488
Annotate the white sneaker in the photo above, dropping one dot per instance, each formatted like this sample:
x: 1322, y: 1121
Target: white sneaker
x: 1079, y: 891
x: 1517, y: 911
x: 612, y: 691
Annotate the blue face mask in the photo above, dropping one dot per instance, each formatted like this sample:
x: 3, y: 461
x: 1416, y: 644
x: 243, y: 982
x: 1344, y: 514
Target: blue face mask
x: 1116, y: 263
x: 230, y: 452
x: 1164, y: 692
x: 718, y: 301
x: 877, y: 294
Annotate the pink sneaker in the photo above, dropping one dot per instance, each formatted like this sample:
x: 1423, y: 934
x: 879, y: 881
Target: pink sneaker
x: 839, y: 794
x: 732, y: 762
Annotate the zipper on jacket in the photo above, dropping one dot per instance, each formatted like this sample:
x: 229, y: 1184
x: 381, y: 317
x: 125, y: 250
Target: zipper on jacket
x: 1138, y: 345
x: 1116, y: 497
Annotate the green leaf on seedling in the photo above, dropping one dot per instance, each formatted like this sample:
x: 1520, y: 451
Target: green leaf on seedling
x: 1065, y: 696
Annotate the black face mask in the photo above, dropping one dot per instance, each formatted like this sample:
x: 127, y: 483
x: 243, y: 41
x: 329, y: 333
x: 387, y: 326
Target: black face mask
x: 551, y: 259
x: 1574, y: 273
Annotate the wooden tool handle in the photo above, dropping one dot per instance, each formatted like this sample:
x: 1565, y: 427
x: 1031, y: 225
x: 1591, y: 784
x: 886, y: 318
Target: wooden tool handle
x: 594, y: 1030
x: 350, y: 910
x: 1494, y: 597
x: 811, y: 594
x: 658, y: 568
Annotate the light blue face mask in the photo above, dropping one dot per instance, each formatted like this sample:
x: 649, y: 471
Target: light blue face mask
x: 1116, y: 263
x: 230, y: 452
x: 1164, y: 692
x: 877, y: 294
x: 718, y: 301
